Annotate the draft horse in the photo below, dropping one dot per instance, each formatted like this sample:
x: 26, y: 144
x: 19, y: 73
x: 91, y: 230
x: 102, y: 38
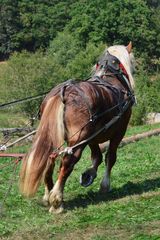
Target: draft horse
x: 81, y: 113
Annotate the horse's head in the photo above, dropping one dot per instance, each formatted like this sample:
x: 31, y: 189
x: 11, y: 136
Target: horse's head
x: 118, y: 58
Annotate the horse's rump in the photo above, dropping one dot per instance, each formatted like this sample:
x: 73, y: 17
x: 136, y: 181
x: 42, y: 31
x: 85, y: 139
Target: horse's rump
x: 87, y: 106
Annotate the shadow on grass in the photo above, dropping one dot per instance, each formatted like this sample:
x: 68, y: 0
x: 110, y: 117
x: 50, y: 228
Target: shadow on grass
x: 129, y: 189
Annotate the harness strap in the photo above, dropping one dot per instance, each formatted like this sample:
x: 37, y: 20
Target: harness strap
x: 124, y: 81
x: 112, y: 64
x: 123, y: 106
x: 119, y: 93
x: 101, y: 83
x: 80, y: 92
x: 69, y: 150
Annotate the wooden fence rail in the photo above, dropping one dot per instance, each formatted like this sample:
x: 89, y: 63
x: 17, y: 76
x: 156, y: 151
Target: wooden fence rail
x: 15, y: 131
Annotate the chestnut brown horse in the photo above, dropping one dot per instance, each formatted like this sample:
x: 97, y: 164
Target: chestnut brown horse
x: 80, y: 113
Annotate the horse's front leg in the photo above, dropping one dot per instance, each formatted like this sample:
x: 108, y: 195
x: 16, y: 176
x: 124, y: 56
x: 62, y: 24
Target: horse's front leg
x: 90, y: 174
x: 56, y: 194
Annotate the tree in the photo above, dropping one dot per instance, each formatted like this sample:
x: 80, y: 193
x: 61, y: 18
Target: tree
x: 64, y: 48
x: 116, y: 22
x: 30, y: 24
x: 9, y: 26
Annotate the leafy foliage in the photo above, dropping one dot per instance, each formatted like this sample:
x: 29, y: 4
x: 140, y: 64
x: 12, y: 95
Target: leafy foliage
x: 31, y: 25
x: 26, y: 75
x: 9, y: 27
x: 68, y: 36
x: 148, y: 98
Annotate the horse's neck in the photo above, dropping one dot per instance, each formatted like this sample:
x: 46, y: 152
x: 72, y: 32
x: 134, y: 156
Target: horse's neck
x: 113, y: 80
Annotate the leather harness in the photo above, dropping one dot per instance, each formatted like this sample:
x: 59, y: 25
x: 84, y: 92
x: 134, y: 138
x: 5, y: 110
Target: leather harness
x: 111, y: 64
x: 114, y: 69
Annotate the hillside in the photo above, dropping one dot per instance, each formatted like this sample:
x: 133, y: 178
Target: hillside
x: 129, y: 211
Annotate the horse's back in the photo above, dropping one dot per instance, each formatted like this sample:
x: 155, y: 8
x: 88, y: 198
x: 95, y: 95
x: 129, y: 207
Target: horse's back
x: 87, y: 108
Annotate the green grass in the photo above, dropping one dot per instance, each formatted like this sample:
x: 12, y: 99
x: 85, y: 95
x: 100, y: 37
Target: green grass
x: 140, y: 129
x: 9, y: 119
x: 130, y: 211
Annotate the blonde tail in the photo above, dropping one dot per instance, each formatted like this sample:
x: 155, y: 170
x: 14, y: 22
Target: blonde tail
x: 50, y: 135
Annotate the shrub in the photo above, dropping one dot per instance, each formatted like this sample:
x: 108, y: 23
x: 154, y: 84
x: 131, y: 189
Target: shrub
x: 26, y: 75
x: 148, y: 98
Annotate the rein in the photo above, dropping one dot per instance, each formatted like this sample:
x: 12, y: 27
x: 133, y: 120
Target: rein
x: 122, y: 106
x: 27, y: 99
x: 112, y: 64
x: 69, y: 150
x: 114, y: 68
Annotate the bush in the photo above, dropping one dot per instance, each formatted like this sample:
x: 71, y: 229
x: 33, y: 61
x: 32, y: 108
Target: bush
x: 148, y: 98
x: 26, y: 75
x: 81, y: 65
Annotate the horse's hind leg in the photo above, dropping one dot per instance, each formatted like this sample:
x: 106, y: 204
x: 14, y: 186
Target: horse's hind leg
x: 48, y: 181
x: 90, y: 174
x: 111, y: 155
x: 110, y: 159
x: 56, y: 194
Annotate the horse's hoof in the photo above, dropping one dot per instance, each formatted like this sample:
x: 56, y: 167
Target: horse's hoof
x: 56, y: 200
x: 87, y: 178
x: 56, y: 210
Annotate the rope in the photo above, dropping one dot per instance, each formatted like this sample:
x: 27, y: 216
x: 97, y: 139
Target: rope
x: 69, y: 150
x: 4, y: 147
x: 4, y: 105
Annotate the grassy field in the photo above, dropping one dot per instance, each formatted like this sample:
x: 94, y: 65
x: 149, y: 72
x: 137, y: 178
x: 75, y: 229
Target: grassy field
x: 130, y: 211
x: 11, y: 119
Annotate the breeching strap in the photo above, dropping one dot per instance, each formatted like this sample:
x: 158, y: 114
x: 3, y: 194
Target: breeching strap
x: 69, y: 150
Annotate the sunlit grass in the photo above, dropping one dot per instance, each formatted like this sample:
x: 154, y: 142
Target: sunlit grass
x: 130, y: 211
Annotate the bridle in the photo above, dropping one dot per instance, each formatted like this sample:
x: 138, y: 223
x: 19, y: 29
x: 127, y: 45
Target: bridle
x: 111, y: 64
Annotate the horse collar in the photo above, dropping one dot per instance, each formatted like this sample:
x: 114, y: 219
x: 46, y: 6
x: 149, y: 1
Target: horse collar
x: 113, y: 65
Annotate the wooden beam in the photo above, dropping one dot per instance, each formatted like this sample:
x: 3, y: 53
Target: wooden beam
x: 132, y: 139
x: 14, y: 155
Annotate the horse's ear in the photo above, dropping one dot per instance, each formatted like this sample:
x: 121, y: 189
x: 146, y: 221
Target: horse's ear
x: 129, y: 47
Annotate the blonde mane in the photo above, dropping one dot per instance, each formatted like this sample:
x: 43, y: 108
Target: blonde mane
x: 127, y: 59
